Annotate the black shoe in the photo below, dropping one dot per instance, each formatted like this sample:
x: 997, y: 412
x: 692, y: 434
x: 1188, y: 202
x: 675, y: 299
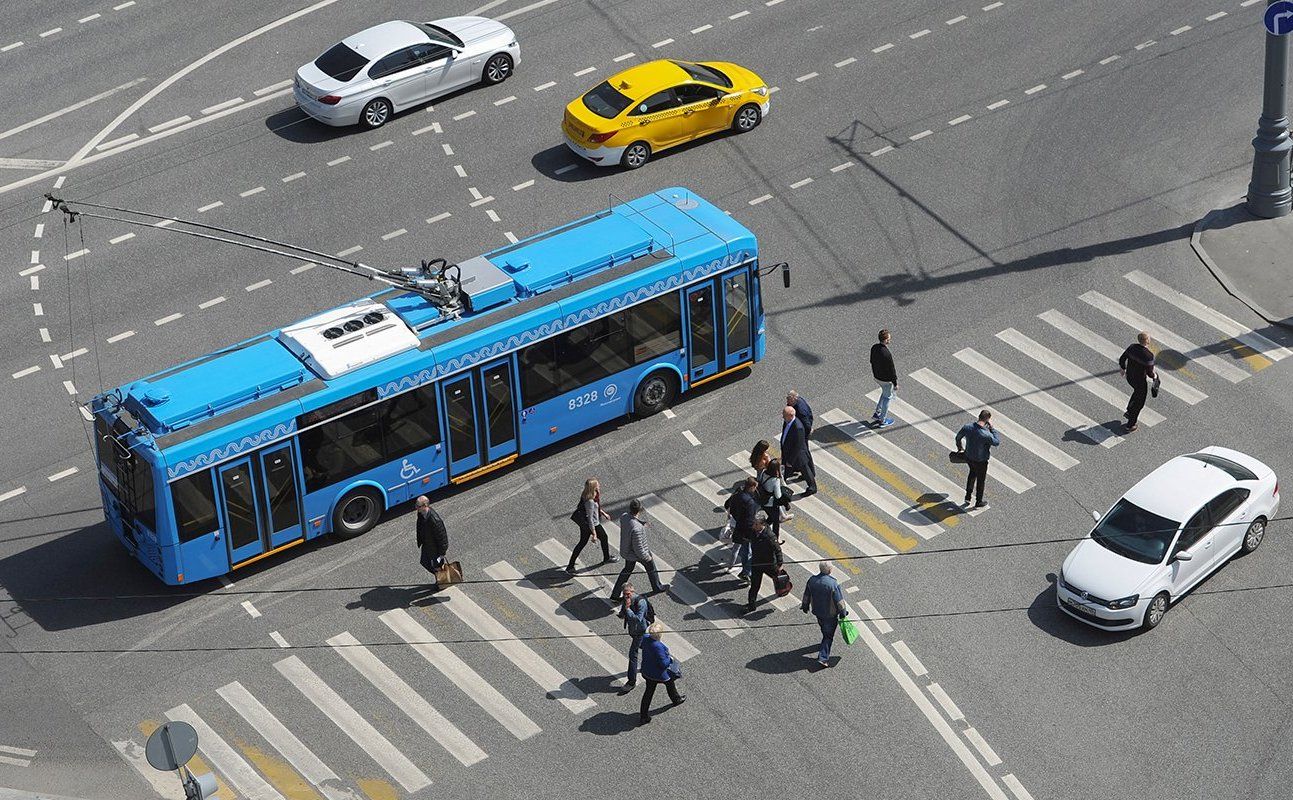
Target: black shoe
x: 750, y: 608
x: 664, y: 587
x: 617, y: 599
x: 810, y: 492
x: 628, y: 687
x: 981, y: 504
x: 682, y: 698
x: 570, y: 570
x: 644, y: 720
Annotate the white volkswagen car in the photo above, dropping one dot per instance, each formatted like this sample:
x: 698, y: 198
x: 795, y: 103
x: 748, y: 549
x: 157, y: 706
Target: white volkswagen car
x: 1174, y: 528
x: 364, y: 79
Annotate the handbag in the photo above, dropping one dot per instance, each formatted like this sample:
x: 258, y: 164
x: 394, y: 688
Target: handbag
x: 674, y: 670
x: 1153, y: 388
x: 957, y: 457
x: 849, y: 631
x: 725, y: 535
x: 787, y: 494
x: 783, y: 584
x: 449, y: 574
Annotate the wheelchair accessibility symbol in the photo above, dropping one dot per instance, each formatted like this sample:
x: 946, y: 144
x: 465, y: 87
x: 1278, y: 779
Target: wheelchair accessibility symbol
x: 408, y: 471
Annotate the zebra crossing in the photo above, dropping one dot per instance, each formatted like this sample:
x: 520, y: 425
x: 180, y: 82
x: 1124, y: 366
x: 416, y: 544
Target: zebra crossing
x: 538, y: 648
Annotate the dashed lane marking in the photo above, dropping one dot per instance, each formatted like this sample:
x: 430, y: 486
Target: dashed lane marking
x: 22, y: 373
x: 35, y: 256
x: 804, y: 182
x: 842, y: 167
x: 882, y: 150
x: 992, y: 6
x: 624, y: 57
x: 170, y: 123
x: 462, y: 173
x: 35, y: 283
x: 915, y: 137
x: 44, y: 336
x: 738, y: 15
x: 37, y: 310
x: 955, y: 20
x: 493, y: 215
x: 258, y: 285
x: 660, y: 43
x: 51, y: 32
x: 960, y: 119
x: 250, y: 192
x: 807, y: 77
x: 124, y: 5
x: 250, y: 609
x: 12, y: 493
x: 70, y: 387
x: 9, y: 47
x: 215, y: 301
x: 482, y: 201
x: 386, y: 237
x: 209, y: 207
x: 334, y: 162
x: 40, y: 230
x: 904, y: 652
x: 278, y: 639
x: 918, y: 34
x: 432, y: 127
x: 448, y: 149
x: 760, y: 199
x: 80, y: 351
x: 166, y: 319
x: 350, y: 251
x: 668, y: 414
x: 1071, y: 75
x: 120, y: 336
x: 293, y: 177
x: 1035, y: 89
x: 543, y: 86
x: 1182, y: 29
x: 306, y: 266
x: 380, y: 145
x: 56, y: 361
x: 945, y: 701
x: 585, y: 71
x: 272, y: 88
x: 31, y: 270
x: 845, y: 62
x: 75, y: 254
x: 882, y: 48
x: 1109, y: 60
x: 771, y: 3
x: 980, y: 744
x: 438, y: 217
x: 1143, y: 45
x: 701, y: 29
x: 222, y: 106
x: 164, y: 223
x: 511, y: 237
x: 691, y: 437
x: 67, y: 473
x: 998, y: 104
x: 523, y: 185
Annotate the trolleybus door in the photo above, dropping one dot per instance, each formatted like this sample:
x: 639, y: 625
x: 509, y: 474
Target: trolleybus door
x: 500, y: 410
x: 738, y: 346
x: 702, y: 350
x: 283, y: 506
x: 240, y: 511
x: 460, y: 412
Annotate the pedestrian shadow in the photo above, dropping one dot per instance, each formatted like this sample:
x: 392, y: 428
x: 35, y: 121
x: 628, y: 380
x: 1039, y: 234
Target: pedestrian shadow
x: 801, y: 659
x: 388, y: 598
x: 1082, y: 435
x: 610, y: 723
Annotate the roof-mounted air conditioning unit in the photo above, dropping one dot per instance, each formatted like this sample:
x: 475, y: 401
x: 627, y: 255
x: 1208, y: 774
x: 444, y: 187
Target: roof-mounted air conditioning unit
x: 347, y: 338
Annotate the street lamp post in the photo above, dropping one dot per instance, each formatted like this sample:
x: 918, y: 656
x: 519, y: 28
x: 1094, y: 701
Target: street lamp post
x: 1269, y: 194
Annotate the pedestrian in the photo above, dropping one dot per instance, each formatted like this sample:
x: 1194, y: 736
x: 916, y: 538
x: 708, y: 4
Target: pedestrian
x: 882, y: 369
x: 976, y: 440
x: 765, y: 558
x: 638, y: 615
x: 803, y: 413
x: 759, y: 455
x: 589, y: 515
x: 658, y: 667
x: 822, y: 596
x: 433, y: 539
x: 634, y: 549
x: 775, y: 495
x: 794, y: 450
x: 743, y: 506
x: 1137, y: 365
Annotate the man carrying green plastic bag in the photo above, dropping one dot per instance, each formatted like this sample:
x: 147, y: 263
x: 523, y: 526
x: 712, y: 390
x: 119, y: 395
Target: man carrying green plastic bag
x: 823, y: 596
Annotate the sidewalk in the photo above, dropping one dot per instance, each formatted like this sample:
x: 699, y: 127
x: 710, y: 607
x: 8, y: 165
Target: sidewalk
x: 1251, y: 257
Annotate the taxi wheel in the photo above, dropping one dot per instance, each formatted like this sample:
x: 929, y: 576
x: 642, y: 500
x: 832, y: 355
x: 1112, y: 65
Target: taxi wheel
x: 376, y: 113
x: 747, y: 118
x: 497, y: 69
x: 635, y: 155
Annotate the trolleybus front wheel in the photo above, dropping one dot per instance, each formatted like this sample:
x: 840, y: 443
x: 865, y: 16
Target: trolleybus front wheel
x: 357, y: 513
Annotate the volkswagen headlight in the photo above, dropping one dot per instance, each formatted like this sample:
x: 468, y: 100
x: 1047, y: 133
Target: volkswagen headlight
x: 1125, y: 602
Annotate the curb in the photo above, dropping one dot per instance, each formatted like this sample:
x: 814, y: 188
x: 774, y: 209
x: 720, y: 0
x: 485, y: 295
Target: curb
x: 1196, y: 242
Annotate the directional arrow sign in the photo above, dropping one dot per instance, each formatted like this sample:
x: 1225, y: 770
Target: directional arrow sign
x: 1279, y: 18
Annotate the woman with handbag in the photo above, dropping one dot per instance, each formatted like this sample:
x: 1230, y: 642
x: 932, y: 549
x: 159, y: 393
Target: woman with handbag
x: 775, y: 496
x: 658, y: 667
x: 588, y: 515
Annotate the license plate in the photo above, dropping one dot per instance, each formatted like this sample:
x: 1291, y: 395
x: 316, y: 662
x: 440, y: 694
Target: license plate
x: 1071, y: 603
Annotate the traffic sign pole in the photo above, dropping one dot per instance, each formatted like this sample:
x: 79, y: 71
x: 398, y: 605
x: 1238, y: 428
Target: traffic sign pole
x: 1269, y: 194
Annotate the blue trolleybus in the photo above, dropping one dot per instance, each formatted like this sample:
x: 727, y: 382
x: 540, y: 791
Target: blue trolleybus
x: 320, y: 426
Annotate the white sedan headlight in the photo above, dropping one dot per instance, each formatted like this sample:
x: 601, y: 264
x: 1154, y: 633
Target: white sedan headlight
x: 1125, y: 602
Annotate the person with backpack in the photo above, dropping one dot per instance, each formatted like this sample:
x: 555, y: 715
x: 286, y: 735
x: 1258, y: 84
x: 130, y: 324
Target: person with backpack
x: 774, y: 495
x: 743, y: 505
x: 638, y: 616
x: 588, y: 516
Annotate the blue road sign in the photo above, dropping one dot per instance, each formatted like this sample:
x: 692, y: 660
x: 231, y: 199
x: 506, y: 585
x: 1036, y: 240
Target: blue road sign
x: 1279, y: 18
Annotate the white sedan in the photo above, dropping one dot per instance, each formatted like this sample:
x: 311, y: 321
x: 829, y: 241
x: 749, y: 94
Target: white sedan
x: 364, y: 79
x: 1174, y: 528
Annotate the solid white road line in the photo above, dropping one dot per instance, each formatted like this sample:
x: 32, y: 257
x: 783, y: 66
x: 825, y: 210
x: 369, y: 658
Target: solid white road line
x: 873, y: 615
x: 276, y: 733
x: 896, y: 508
x: 609, y: 658
x: 558, y: 686
x: 900, y: 647
x: 1012, y: 430
x: 1209, y: 316
x: 1075, y: 374
x: 224, y: 758
x: 1037, y: 397
x: 360, y: 730
x: 408, y: 700
x: 1083, y: 335
x: 709, y: 546
x: 946, y: 437
x: 69, y: 109
x: 678, y: 645
x: 461, y: 675
x: 1186, y: 348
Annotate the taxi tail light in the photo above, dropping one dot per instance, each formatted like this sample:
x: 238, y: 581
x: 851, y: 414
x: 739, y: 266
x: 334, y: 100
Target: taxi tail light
x: 598, y: 138
x: 330, y: 99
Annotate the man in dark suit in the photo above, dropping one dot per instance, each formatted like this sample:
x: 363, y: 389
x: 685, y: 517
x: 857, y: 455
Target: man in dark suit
x: 803, y: 413
x: 794, y: 449
x: 433, y: 539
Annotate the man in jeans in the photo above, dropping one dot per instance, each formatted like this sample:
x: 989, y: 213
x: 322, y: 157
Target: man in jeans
x: 882, y: 369
x: 633, y: 548
x: 824, y: 598
x: 1137, y: 365
x: 976, y: 440
x: 637, y: 616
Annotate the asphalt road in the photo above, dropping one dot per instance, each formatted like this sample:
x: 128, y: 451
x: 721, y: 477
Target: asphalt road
x: 951, y: 171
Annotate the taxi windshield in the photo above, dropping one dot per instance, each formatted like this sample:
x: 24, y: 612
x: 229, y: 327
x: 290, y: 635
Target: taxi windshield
x: 605, y: 101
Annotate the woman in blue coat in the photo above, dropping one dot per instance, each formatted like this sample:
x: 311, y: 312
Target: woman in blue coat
x: 658, y: 667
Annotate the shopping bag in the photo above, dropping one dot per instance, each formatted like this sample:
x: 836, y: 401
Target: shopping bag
x: 849, y: 631
x: 728, y: 528
x: 783, y: 583
x: 449, y: 574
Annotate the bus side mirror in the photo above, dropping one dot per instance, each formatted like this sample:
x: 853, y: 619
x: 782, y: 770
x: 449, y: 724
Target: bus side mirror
x: 785, y: 274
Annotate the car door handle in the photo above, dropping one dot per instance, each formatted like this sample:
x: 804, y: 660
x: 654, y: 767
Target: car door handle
x: 689, y: 112
x: 643, y: 122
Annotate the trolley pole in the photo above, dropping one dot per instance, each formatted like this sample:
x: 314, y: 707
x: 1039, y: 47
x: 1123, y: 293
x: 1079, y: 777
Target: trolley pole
x: 1269, y: 194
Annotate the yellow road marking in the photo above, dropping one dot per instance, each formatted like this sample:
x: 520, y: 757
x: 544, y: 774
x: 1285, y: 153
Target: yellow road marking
x: 871, y: 521
x: 1255, y: 360
x: 936, y: 510
x: 377, y: 789
x: 506, y: 610
x: 827, y: 546
x: 196, y: 764
x: 278, y: 772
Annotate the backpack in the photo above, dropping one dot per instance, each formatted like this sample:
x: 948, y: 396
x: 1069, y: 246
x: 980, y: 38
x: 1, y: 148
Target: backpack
x: 579, y: 517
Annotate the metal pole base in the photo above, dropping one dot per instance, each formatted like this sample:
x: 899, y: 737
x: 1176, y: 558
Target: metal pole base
x: 1269, y: 193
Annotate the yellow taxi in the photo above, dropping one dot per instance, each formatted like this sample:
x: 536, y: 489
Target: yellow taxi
x: 661, y: 104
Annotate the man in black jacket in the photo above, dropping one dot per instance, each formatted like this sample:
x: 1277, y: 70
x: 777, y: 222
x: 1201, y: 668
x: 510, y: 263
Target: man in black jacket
x: 794, y: 449
x: 1137, y: 365
x: 882, y: 369
x: 803, y: 413
x: 743, y: 506
x: 766, y: 558
x: 433, y: 539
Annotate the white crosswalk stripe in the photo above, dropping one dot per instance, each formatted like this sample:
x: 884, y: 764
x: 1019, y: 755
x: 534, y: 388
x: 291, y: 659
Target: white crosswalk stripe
x: 946, y: 437
x: 1038, y: 398
x: 1210, y: 316
x: 872, y: 440
x: 679, y: 647
x: 1209, y: 361
x: 1084, y: 335
x: 709, y: 546
x: 902, y: 512
x: 519, y: 653
x: 792, y: 549
x: 406, y: 699
x: 224, y: 759
x: 581, y: 636
x: 351, y: 723
x: 834, y: 521
x: 1011, y: 429
x: 468, y: 681
x: 1078, y: 376
x: 301, y: 757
